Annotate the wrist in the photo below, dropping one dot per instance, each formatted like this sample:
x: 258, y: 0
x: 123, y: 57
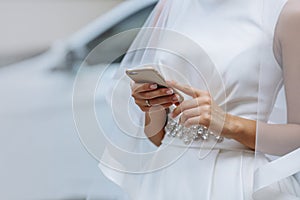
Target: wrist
x: 232, y: 126
x: 241, y: 129
x: 155, y: 115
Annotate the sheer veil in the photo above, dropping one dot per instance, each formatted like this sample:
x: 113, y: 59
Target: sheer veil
x: 128, y: 154
x: 160, y: 44
x: 278, y: 138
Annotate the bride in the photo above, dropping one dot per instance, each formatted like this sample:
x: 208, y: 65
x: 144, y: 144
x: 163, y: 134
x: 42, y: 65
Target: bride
x: 229, y: 59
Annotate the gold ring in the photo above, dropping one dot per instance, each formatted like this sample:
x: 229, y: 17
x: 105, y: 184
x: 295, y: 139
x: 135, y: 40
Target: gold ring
x: 147, y: 103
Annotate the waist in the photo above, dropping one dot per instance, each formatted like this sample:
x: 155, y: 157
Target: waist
x: 226, y: 144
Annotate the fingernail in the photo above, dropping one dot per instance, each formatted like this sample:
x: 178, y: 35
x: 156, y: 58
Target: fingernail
x: 175, y: 98
x: 153, y: 86
x: 170, y: 91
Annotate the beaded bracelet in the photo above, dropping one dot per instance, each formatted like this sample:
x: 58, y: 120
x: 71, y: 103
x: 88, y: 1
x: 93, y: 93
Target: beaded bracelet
x: 188, y: 135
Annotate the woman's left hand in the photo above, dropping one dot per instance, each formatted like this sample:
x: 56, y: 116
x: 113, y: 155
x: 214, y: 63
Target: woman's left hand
x: 201, y: 110
x: 204, y: 111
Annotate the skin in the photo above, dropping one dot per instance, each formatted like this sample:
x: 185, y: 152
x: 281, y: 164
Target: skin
x: 155, y: 116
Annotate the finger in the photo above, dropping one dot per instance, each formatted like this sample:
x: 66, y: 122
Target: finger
x: 165, y: 100
x: 155, y: 108
x: 171, y: 99
x: 155, y: 93
x: 188, y: 104
x: 184, y: 88
x: 203, y: 119
x: 192, y: 121
x: 143, y: 87
x: 199, y: 120
x: 190, y: 113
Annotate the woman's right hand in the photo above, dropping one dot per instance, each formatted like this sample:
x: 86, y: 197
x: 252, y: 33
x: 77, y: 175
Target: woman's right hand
x: 147, y: 95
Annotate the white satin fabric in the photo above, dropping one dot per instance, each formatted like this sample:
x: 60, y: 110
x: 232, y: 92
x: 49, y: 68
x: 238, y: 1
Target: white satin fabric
x: 236, y: 35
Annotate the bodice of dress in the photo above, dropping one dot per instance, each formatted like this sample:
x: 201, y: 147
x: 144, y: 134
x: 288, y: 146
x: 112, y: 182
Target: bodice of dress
x: 237, y: 36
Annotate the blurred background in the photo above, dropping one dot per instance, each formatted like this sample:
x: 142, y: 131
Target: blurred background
x: 31, y: 26
x: 42, y: 43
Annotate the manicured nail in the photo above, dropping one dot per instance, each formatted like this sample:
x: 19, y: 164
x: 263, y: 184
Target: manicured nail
x: 170, y: 91
x: 153, y: 86
x: 175, y: 98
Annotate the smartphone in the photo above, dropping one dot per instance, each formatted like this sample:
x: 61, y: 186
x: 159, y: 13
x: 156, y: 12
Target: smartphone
x: 149, y: 75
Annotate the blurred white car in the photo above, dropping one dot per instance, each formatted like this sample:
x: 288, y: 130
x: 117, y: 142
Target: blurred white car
x: 41, y: 156
x: 129, y: 15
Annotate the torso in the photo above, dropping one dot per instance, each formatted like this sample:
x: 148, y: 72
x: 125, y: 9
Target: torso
x: 238, y: 37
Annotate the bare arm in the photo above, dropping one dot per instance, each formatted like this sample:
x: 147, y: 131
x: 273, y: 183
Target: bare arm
x: 287, y: 137
x: 279, y: 139
x: 276, y: 139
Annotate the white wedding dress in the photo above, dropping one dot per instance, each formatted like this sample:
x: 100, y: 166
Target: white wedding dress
x: 235, y: 35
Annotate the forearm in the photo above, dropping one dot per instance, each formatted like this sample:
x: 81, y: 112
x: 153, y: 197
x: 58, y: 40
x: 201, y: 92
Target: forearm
x: 240, y: 129
x: 278, y: 139
x: 154, y: 126
x: 274, y: 139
